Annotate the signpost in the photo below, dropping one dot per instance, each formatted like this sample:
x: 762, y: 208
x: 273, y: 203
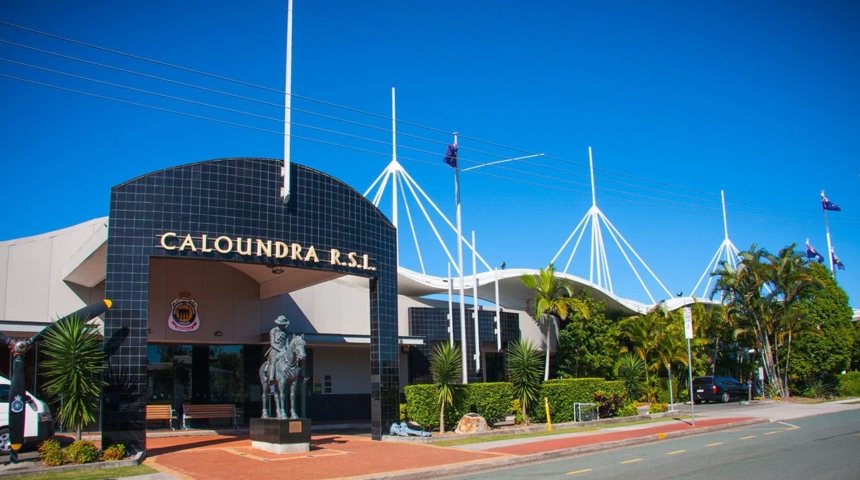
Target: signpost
x: 688, y: 333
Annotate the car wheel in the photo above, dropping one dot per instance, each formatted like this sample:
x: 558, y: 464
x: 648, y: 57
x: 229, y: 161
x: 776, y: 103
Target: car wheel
x: 724, y: 397
x: 5, y: 447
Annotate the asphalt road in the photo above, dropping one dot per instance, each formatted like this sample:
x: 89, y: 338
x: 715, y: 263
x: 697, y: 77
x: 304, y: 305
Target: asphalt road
x: 815, y: 447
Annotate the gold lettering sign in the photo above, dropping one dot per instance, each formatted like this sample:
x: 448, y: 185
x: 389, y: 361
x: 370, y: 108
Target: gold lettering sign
x: 258, y: 247
x: 295, y: 427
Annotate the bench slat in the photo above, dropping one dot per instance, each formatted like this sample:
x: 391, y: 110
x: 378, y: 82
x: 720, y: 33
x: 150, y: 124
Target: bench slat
x: 218, y: 410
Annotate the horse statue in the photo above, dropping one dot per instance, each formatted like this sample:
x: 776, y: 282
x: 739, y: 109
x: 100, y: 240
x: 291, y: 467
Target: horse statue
x: 287, y: 372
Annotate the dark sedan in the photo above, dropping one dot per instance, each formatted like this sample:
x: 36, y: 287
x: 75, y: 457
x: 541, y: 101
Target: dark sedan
x: 723, y: 389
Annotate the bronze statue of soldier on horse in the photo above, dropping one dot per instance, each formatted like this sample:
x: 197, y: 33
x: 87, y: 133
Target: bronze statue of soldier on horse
x: 282, y: 369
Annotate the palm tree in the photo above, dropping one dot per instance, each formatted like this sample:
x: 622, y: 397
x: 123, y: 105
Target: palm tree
x: 445, y: 369
x: 72, y: 368
x: 643, y: 332
x: 671, y: 347
x: 523, y: 363
x: 552, y: 302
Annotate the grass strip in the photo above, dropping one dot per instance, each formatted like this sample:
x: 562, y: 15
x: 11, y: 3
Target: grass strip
x: 96, y: 474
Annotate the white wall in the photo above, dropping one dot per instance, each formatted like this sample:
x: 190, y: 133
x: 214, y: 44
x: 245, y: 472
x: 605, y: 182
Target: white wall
x: 32, y: 287
x: 349, y: 368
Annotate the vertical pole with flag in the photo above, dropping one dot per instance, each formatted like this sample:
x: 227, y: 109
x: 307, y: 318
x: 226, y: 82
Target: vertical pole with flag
x: 451, y: 159
x: 827, y: 205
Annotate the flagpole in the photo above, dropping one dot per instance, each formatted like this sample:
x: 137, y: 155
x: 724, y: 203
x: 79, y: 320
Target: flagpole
x: 827, y: 230
x: 464, y: 346
x: 288, y: 82
x: 475, y: 304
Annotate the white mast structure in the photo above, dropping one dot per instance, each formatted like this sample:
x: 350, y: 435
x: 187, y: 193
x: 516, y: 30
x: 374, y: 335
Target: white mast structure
x: 288, y: 82
x: 402, y: 182
x: 598, y: 270
x: 727, y: 252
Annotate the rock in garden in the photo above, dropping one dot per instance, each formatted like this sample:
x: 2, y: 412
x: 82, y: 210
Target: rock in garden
x: 472, y: 423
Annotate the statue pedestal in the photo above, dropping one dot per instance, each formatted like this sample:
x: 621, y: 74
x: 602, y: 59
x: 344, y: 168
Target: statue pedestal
x: 281, y: 435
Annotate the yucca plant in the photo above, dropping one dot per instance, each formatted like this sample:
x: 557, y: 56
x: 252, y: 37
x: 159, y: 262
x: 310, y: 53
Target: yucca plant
x: 631, y: 371
x: 524, y: 371
x: 445, y: 368
x: 72, y: 368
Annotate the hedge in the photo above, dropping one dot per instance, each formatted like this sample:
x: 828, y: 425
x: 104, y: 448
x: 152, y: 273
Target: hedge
x: 849, y: 384
x: 562, y: 394
x: 491, y: 400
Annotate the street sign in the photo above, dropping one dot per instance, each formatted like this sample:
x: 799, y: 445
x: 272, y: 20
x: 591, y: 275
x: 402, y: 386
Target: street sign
x: 688, y: 323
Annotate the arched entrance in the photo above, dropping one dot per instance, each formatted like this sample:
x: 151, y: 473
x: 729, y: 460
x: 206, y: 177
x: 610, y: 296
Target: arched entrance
x: 230, y: 211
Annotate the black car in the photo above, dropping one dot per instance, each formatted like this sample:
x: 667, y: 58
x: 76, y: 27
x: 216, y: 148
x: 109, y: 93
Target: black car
x: 723, y: 389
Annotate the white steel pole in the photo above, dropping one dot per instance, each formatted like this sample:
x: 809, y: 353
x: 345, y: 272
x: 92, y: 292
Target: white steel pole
x: 725, y: 217
x: 288, y: 82
x: 591, y: 169
x: 394, y: 183
x: 450, y: 308
x: 475, y: 304
x: 463, y: 344
x: 498, y: 320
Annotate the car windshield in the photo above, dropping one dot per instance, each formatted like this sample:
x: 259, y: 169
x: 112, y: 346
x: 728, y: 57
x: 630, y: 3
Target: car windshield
x: 703, y: 381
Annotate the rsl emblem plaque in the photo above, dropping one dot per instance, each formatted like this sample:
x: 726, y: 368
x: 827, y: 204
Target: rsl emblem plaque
x: 184, y: 316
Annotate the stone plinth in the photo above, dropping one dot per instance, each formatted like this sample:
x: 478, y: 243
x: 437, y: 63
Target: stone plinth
x: 472, y: 423
x: 281, y: 435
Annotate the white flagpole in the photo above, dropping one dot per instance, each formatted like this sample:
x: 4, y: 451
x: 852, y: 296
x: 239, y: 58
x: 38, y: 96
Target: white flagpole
x: 450, y: 308
x: 827, y: 230
x: 463, y: 344
x: 475, y: 304
x: 498, y: 319
x: 288, y: 82
x: 394, y: 218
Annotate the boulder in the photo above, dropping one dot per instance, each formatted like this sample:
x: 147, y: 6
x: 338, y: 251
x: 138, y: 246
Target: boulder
x: 472, y: 423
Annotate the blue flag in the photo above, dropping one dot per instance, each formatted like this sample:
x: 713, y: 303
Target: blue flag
x: 812, y: 253
x: 451, y: 155
x: 836, y: 262
x: 828, y: 205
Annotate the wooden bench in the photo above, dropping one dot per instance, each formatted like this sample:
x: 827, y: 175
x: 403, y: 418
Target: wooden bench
x: 192, y: 411
x: 160, y: 412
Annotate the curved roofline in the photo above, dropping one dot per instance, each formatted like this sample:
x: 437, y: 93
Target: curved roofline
x: 514, y: 295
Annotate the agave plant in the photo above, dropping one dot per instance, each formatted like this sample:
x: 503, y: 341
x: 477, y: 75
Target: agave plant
x: 631, y: 371
x: 72, y: 370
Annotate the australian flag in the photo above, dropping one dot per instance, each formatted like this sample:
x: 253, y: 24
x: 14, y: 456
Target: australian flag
x: 451, y: 155
x: 812, y: 253
x: 828, y: 205
x: 836, y: 262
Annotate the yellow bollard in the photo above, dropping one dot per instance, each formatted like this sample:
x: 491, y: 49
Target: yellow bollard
x: 548, y: 417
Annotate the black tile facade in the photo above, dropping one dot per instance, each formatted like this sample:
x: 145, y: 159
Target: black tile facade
x: 237, y: 197
x: 432, y: 324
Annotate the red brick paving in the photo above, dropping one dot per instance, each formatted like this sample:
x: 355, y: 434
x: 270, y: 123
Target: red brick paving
x: 230, y: 457
x: 331, y: 456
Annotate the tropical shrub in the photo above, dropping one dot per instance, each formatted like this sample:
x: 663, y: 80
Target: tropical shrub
x: 658, y: 408
x: 114, y: 452
x: 51, y: 453
x: 73, y: 363
x: 445, y: 368
x: 404, y: 412
x: 609, y: 403
x: 849, y: 384
x: 631, y: 372
x: 82, y: 451
x: 628, y: 410
x: 524, y: 372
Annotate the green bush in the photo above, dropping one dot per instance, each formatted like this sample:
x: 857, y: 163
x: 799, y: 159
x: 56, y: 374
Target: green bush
x: 849, y: 384
x: 491, y: 400
x: 52, y: 453
x: 517, y: 410
x: 562, y: 394
x: 404, y: 412
x: 628, y: 410
x: 82, y: 451
x: 658, y: 408
x: 114, y: 452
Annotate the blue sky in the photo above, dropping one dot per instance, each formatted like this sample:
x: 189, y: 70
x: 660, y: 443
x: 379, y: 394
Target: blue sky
x: 678, y: 100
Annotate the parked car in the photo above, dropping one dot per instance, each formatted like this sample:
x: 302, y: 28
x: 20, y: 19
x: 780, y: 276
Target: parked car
x: 722, y: 389
x: 38, y: 421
